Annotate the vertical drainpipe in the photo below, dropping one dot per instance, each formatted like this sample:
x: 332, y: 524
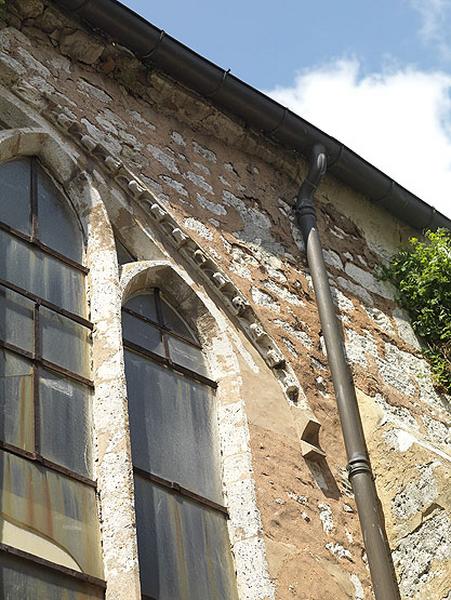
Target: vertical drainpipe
x: 359, y: 469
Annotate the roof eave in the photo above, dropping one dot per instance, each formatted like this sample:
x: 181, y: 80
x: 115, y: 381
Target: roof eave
x: 257, y: 110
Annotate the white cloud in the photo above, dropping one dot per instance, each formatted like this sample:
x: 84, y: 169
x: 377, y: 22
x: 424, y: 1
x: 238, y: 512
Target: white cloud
x: 435, y: 15
x: 400, y: 121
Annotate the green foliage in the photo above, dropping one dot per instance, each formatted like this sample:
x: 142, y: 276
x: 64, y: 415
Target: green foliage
x: 421, y: 273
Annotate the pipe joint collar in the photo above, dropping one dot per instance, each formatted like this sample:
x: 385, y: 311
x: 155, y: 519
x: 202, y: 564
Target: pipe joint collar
x: 305, y: 209
x: 358, y: 464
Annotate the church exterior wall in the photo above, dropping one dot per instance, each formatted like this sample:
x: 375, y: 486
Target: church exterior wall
x: 190, y: 190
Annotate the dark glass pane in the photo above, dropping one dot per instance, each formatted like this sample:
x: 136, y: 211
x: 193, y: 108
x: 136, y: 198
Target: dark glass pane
x: 65, y: 342
x: 123, y: 254
x: 58, y: 510
x: 16, y: 401
x: 144, y: 304
x: 16, y: 319
x: 187, y: 355
x: 15, y: 204
x: 174, y: 321
x: 141, y: 333
x: 58, y: 227
x: 22, y: 580
x: 65, y: 422
x: 173, y: 427
x: 41, y: 274
x: 184, y: 550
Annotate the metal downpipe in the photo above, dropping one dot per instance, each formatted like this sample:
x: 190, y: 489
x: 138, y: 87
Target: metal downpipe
x: 359, y: 469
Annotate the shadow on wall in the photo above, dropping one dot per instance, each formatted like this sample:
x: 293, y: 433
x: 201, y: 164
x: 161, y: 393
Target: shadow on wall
x: 322, y: 474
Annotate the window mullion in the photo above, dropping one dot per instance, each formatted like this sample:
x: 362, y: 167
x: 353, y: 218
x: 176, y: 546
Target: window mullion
x: 37, y: 354
x: 34, y: 199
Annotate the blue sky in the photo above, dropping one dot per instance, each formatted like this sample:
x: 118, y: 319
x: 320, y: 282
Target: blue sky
x: 374, y: 74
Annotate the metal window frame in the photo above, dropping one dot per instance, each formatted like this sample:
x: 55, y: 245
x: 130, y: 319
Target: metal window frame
x: 168, y: 363
x: 54, y: 567
x: 35, y: 243
x: 165, y: 333
x: 37, y: 363
x: 175, y: 488
x: 35, y: 357
x: 162, y: 328
x: 171, y: 486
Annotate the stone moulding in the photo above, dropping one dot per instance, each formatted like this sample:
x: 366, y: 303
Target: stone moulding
x: 196, y: 256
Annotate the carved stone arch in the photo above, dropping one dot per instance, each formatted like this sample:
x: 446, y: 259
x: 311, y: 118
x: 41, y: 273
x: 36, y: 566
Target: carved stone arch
x: 15, y: 113
x: 163, y: 225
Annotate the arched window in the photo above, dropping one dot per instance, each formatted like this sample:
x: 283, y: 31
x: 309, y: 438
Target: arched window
x: 49, y: 534
x: 184, y: 550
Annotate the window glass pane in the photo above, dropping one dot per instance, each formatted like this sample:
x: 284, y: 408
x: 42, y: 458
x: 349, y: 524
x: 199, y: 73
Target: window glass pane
x: 15, y: 204
x: 64, y: 342
x: 65, y: 422
x: 144, y: 304
x: 16, y: 401
x: 16, y: 319
x: 41, y: 274
x: 22, y: 580
x: 173, y: 427
x: 187, y: 355
x: 141, y: 333
x: 52, y: 506
x: 184, y: 549
x: 58, y: 227
x: 174, y: 321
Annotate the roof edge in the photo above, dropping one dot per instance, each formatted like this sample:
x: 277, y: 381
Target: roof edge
x: 259, y: 112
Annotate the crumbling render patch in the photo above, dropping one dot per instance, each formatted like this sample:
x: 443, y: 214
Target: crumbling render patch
x: 416, y: 552
x: 417, y: 494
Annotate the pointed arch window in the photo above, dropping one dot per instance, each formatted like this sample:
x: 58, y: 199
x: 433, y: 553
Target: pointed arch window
x: 184, y: 550
x: 47, y: 497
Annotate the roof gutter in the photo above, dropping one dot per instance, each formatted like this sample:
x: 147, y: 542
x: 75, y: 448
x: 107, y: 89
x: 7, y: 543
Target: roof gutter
x: 259, y: 112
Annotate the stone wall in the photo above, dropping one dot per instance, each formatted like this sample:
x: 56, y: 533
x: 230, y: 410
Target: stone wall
x: 148, y: 142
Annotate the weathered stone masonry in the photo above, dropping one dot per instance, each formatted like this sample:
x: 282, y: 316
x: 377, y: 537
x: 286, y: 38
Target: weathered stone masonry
x: 208, y: 203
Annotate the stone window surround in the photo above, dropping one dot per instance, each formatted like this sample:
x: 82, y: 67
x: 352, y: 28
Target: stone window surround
x: 112, y: 455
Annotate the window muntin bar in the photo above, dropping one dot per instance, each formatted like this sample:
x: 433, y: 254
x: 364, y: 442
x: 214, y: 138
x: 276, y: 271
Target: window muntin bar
x: 39, y: 300
x: 169, y: 364
x: 176, y: 488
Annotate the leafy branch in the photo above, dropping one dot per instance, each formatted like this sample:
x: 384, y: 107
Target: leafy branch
x: 421, y: 273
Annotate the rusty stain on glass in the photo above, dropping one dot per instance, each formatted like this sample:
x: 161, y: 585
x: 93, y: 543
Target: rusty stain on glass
x: 52, y: 506
x: 16, y: 401
x: 23, y: 580
x: 183, y: 544
x: 48, y: 503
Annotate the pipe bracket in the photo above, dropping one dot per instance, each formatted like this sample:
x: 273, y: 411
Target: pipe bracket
x: 155, y: 48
